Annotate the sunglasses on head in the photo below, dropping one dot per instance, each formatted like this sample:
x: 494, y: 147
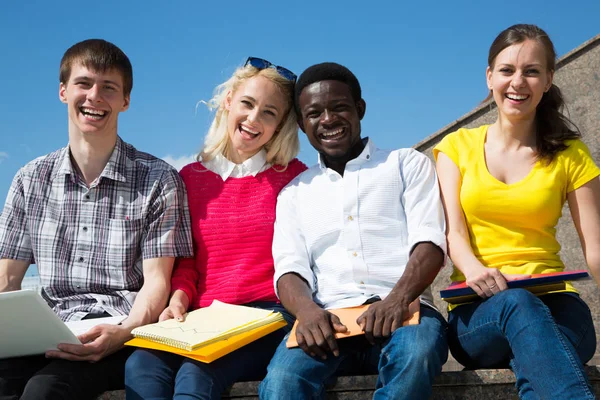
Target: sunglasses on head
x: 260, y: 63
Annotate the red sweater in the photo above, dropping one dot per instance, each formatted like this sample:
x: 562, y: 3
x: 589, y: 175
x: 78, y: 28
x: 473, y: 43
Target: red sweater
x: 232, y: 227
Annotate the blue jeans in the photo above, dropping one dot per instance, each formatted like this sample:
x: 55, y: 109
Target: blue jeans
x: 407, y: 364
x: 545, y: 340
x: 152, y: 374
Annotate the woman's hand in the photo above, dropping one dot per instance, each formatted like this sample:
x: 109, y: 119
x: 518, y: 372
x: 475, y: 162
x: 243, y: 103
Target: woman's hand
x: 486, y: 282
x: 178, y: 306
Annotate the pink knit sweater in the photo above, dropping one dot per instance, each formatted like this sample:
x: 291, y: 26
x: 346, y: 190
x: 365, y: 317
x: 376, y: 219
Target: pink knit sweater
x: 232, y: 227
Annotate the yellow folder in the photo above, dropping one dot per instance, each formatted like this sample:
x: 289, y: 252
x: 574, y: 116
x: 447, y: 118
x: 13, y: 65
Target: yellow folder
x: 215, y: 350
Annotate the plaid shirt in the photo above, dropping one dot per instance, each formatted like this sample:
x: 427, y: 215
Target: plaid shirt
x: 89, y: 242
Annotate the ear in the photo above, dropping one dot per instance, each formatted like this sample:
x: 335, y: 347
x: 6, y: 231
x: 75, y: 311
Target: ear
x: 301, y: 123
x: 62, y: 95
x: 126, y: 101
x: 227, y: 101
x: 550, y: 79
x: 361, y: 108
x: 488, y: 77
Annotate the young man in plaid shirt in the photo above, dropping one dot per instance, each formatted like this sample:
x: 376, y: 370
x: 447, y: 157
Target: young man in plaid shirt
x: 102, y: 221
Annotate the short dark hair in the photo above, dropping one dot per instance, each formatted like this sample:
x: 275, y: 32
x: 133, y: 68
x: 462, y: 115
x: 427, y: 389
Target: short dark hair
x: 100, y: 56
x: 327, y: 71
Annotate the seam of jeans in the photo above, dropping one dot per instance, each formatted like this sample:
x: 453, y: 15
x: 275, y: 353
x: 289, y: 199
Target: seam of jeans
x: 572, y: 361
x: 476, y: 329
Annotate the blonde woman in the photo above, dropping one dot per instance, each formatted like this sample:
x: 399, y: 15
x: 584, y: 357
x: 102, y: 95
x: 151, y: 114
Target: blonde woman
x: 248, y: 157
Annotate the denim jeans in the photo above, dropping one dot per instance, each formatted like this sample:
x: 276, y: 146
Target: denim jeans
x: 545, y: 340
x: 153, y: 374
x: 407, y: 364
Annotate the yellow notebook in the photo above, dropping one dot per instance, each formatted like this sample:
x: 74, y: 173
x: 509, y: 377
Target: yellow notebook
x: 348, y: 317
x: 207, y: 325
x: 216, y: 350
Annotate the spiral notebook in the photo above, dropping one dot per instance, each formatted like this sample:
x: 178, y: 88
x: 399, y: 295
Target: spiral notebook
x: 208, y: 325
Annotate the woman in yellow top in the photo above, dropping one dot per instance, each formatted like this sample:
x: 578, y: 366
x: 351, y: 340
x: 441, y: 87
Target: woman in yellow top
x: 503, y: 187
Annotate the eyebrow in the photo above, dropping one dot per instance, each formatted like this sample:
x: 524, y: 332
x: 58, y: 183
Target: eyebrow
x: 266, y: 105
x: 526, y: 66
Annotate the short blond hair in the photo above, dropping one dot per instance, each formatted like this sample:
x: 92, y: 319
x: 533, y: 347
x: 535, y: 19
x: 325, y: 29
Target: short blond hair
x: 281, y: 148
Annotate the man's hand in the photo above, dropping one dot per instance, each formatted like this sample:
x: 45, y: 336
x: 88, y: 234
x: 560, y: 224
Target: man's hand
x: 382, y: 318
x: 316, y: 329
x: 98, y: 342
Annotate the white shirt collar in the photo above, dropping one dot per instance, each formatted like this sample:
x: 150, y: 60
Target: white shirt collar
x: 362, y: 158
x: 225, y: 168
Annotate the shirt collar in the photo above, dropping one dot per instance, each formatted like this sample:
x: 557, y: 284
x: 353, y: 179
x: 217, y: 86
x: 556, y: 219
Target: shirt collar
x: 362, y: 158
x: 224, y: 167
x: 114, y: 168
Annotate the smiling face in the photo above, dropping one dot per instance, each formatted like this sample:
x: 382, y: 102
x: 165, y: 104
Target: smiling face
x: 518, y: 79
x: 256, y: 110
x: 331, y: 118
x: 94, y: 101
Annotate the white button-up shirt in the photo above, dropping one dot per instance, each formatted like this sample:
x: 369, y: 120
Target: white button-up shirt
x: 350, y: 236
x: 221, y: 166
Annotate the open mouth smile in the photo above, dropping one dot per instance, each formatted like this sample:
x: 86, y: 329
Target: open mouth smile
x: 333, y: 134
x: 248, y: 133
x: 516, y: 97
x: 93, y: 114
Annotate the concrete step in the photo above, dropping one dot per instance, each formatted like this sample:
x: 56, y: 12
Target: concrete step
x: 488, y: 384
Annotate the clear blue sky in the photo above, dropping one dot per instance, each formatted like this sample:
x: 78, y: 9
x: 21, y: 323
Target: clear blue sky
x: 421, y: 64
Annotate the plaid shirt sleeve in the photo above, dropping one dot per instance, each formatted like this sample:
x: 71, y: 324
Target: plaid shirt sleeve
x: 15, y: 241
x: 168, y: 232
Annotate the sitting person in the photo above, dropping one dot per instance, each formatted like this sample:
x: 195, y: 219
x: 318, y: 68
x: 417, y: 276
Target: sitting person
x: 102, y: 221
x: 248, y: 157
x: 504, y: 187
x: 363, y: 226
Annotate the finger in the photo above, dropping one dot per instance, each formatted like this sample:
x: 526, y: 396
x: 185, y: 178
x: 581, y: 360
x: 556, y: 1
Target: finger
x: 492, y: 286
x: 368, y: 329
x: 75, y: 349
x: 515, y: 277
x: 318, y: 343
x: 90, y: 335
x: 337, y: 324
x: 386, y: 329
x: 329, y: 335
x: 165, y: 315
x: 378, y: 322
x: 500, y: 283
x: 310, y: 341
x: 477, y: 289
x: 396, y: 324
x: 302, y: 344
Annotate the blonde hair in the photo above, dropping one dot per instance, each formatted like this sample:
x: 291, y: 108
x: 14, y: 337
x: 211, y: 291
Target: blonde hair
x: 281, y: 148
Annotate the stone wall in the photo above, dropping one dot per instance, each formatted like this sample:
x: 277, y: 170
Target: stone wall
x: 578, y: 77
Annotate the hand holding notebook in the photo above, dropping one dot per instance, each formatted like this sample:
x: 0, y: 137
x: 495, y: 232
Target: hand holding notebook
x: 208, y: 333
x: 348, y: 317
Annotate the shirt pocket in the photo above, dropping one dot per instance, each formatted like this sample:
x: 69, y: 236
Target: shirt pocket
x: 122, y: 257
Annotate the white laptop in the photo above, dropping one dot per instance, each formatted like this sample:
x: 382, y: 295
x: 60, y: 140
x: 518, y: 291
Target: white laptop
x: 28, y: 325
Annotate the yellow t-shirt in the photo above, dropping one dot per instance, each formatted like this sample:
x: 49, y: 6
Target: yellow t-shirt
x: 513, y: 227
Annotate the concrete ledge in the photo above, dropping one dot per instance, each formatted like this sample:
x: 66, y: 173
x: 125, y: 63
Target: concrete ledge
x: 489, y: 384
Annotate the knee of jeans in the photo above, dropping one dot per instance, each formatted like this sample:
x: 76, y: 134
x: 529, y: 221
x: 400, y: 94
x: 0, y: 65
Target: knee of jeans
x: 425, y: 348
x: 46, y: 387
x: 135, y: 364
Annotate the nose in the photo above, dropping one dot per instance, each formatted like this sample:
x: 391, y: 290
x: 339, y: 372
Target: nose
x: 518, y: 80
x: 93, y: 94
x: 326, y: 116
x: 253, y: 115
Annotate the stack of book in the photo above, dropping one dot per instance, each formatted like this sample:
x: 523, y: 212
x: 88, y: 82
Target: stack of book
x: 208, y: 333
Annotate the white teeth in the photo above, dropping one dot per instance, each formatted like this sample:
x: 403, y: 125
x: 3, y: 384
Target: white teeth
x: 333, y: 133
x: 517, y: 96
x: 93, y: 112
x: 249, y: 130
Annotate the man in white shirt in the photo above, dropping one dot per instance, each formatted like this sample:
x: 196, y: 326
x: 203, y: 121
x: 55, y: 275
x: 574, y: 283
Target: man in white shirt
x: 363, y: 226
